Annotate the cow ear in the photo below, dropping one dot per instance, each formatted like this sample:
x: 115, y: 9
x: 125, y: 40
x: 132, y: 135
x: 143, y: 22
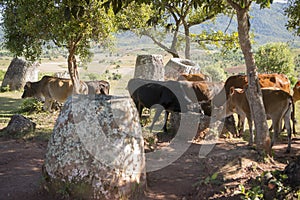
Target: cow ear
x: 28, y: 84
x: 231, y: 90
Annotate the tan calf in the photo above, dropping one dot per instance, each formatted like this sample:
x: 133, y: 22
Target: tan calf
x: 278, y: 106
x: 49, y: 89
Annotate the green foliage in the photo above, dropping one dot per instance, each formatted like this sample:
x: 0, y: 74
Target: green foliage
x: 69, y: 24
x: 5, y: 88
x: 275, y: 58
x: 134, y: 16
x: 293, y: 13
x: 269, y: 185
x: 115, y: 76
x: 111, y: 75
x: 2, y: 74
x: 215, y: 72
x: 92, y: 76
x: 219, y: 39
x: 31, y: 105
x: 210, y: 180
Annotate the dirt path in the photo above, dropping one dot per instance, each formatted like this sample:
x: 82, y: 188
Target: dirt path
x: 235, y: 163
x: 186, y: 178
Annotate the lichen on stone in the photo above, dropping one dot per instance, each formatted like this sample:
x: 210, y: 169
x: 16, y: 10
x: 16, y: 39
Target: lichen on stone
x: 97, y: 142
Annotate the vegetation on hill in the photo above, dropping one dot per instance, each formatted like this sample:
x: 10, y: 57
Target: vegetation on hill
x: 268, y: 25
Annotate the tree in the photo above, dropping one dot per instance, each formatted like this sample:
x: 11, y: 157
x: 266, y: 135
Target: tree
x: 254, y: 94
x: 275, y: 58
x: 293, y: 13
x: 72, y: 24
x: 169, y: 24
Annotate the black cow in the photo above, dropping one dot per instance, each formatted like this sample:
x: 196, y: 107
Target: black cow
x: 203, y: 92
x: 168, y: 94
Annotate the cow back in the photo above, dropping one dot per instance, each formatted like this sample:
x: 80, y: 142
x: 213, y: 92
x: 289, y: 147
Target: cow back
x: 193, y: 77
x: 57, y: 88
x: 276, y: 81
x: 98, y: 87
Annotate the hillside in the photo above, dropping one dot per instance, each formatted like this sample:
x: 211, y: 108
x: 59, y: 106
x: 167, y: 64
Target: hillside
x: 268, y: 25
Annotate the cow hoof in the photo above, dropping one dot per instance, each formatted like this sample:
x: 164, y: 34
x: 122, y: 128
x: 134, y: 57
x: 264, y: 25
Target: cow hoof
x: 288, y: 150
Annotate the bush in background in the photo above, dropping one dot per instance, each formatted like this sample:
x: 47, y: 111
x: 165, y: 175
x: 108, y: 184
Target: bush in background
x: 276, y: 58
x: 31, y: 105
x: 215, y: 72
x: 2, y: 74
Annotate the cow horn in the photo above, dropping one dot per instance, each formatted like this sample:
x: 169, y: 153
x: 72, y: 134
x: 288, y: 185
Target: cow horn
x: 231, y: 90
x: 28, y: 84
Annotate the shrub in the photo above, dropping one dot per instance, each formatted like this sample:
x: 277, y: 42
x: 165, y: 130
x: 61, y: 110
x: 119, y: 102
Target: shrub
x: 215, y: 72
x: 2, y: 74
x: 93, y: 76
x: 275, y: 58
x: 31, y: 105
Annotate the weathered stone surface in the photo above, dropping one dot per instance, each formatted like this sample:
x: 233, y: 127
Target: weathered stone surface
x: 19, y: 124
x: 96, y: 150
x: 292, y: 170
x: 64, y: 74
x: 149, y: 67
x: 18, y: 73
x: 176, y: 66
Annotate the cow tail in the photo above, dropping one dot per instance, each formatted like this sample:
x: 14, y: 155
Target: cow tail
x: 293, y: 117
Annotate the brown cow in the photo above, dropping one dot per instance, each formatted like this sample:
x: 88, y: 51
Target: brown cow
x: 193, y: 77
x: 279, y: 81
x: 51, y: 89
x: 203, y: 92
x: 98, y: 87
x: 296, y: 90
x: 278, y: 106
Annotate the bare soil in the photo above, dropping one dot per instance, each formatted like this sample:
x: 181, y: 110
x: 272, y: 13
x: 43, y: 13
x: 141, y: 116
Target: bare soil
x: 231, y: 160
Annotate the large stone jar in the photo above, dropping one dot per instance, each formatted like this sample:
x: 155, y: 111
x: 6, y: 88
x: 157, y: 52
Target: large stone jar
x: 149, y: 67
x: 96, y: 150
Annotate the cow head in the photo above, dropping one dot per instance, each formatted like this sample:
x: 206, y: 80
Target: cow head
x: 229, y: 107
x: 28, y: 91
x: 296, y: 94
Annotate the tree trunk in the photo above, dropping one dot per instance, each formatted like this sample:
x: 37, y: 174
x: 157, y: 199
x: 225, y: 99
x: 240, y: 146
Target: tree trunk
x: 187, y: 42
x: 73, y: 71
x: 254, y: 94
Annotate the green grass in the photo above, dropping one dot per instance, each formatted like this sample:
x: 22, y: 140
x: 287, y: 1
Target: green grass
x: 10, y: 104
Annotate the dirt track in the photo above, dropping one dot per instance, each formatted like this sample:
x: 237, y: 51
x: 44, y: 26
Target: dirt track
x: 234, y: 161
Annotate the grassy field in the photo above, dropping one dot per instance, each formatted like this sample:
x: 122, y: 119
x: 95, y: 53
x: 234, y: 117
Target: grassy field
x: 102, y: 67
x: 11, y: 103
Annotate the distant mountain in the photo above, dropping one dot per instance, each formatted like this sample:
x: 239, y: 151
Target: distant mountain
x: 268, y: 25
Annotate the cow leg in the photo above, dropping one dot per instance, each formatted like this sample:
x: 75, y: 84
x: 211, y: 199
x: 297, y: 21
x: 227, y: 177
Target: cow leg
x: 166, y: 119
x: 293, y: 118
x: 276, y: 125
x: 47, y: 105
x: 251, y: 137
x: 158, y: 111
x: 288, y: 129
x: 241, y: 124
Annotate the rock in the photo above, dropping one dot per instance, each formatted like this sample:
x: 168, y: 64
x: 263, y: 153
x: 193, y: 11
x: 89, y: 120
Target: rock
x: 177, y: 66
x: 96, y: 150
x: 292, y: 170
x: 18, y: 73
x: 149, y: 67
x: 19, y: 124
x: 64, y: 74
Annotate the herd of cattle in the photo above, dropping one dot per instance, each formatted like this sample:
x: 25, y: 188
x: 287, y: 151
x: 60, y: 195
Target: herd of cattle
x: 191, y: 92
